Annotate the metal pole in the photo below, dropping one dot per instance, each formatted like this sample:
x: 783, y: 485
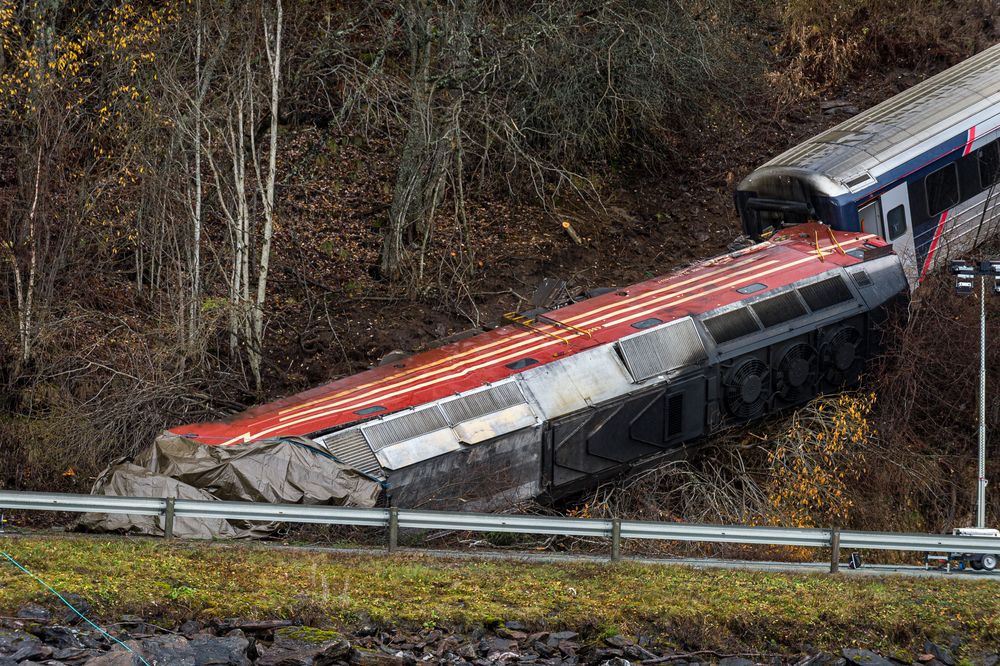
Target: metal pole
x: 393, y: 529
x: 616, y: 539
x: 835, y: 550
x: 168, y: 519
x: 981, y: 489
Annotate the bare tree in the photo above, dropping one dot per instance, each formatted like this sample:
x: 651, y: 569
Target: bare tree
x: 232, y: 143
x: 272, y: 47
x: 24, y: 276
x: 521, y: 99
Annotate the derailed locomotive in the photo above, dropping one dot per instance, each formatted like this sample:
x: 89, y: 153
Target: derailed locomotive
x: 575, y: 395
x: 566, y: 398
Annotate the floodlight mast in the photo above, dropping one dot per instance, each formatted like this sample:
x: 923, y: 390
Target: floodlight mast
x: 981, y: 485
x: 965, y: 274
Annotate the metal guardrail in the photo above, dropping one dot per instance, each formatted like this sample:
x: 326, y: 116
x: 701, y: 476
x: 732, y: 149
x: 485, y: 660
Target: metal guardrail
x: 394, y: 519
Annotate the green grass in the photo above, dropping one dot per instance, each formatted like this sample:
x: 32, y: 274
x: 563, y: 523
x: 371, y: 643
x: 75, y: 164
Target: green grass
x: 683, y: 607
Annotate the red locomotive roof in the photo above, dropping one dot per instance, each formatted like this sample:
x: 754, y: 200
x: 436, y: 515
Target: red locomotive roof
x: 795, y: 254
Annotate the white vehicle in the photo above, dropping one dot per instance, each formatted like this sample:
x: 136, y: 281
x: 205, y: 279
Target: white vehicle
x: 977, y: 561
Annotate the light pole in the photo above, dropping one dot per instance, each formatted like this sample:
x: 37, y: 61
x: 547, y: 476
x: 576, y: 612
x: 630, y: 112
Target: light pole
x: 966, y: 274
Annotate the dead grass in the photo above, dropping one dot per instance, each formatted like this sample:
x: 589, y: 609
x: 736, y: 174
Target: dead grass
x: 681, y: 607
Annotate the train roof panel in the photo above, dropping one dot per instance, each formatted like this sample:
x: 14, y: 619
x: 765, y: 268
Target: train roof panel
x: 796, y: 254
x: 904, y: 126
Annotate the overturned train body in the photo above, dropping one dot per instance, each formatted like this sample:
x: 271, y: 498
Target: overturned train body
x: 575, y: 395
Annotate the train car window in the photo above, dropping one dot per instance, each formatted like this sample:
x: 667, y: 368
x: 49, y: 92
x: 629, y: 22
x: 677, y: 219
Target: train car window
x: 942, y: 189
x: 896, y: 219
x: 989, y: 164
x: 870, y: 215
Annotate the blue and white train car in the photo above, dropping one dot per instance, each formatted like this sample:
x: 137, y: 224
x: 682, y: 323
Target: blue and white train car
x: 921, y: 170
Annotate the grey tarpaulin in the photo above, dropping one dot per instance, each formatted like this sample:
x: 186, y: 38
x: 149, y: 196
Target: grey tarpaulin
x: 288, y: 470
x: 128, y: 480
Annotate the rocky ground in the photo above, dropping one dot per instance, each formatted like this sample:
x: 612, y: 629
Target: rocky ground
x: 36, y: 635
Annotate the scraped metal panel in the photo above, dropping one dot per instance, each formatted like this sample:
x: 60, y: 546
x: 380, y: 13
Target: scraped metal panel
x: 662, y: 350
x: 495, y: 399
x: 392, y: 431
x: 351, y: 448
x: 572, y: 383
x: 779, y: 309
x: 497, y: 424
x: 410, y: 452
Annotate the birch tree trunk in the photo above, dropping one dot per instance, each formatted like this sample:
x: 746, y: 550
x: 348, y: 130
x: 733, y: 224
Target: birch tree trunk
x: 24, y: 285
x: 195, y: 267
x: 272, y: 46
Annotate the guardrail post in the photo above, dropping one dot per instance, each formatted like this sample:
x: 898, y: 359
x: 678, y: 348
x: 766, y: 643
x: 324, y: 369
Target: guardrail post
x: 168, y: 519
x: 393, y: 529
x: 835, y: 550
x: 616, y: 539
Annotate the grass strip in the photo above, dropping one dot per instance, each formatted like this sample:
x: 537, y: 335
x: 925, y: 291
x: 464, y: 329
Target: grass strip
x: 683, y: 607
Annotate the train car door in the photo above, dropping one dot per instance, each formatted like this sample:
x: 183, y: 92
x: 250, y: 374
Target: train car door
x: 898, y: 229
x: 871, y: 218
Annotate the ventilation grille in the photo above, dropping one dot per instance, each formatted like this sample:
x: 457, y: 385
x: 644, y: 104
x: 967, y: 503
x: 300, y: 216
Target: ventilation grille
x: 826, y: 293
x: 351, y: 448
x: 484, y: 402
x: 387, y: 433
x: 675, y: 415
x: 662, y: 349
x: 779, y: 309
x: 862, y: 279
x: 731, y: 325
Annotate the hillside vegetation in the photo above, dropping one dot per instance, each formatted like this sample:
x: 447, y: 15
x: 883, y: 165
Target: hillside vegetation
x: 210, y: 204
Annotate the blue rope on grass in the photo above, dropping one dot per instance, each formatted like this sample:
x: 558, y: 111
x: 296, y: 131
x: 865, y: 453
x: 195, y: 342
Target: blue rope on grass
x: 71, y: 606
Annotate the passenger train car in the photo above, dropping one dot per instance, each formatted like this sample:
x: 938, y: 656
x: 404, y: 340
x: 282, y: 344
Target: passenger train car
x: 559, y: 400
x: 921, y: 170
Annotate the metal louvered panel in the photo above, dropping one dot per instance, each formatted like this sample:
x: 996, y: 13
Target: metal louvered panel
x: 661, y: 350
x: 779, y: 309
x: 731, y: 325
x: 862, y: 279
x: 351, y: 448
x: 393, y: 431
x: 492, y: 400
x: 826, y: 293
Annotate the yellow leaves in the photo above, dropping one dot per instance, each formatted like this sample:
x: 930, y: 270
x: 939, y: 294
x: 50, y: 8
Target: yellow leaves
x: 816, y: 456
x: 48, y: 54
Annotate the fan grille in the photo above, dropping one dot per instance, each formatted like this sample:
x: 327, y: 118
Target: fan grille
x: 796, y: 373
x: 842, y: 356
x: 747, y: 388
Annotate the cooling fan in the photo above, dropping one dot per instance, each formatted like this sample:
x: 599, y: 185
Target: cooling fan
x: 841, y: 357
x: 746, y: 386
x: 796, y: 373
